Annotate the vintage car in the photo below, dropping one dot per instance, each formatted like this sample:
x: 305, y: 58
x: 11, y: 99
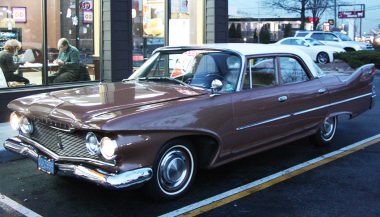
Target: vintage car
x: 186, y: 108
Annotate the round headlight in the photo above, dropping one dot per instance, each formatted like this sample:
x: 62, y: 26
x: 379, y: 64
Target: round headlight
x: 92, y: 144
x: 26, y: 126
x: 15, y: 120
x: 108, y: 148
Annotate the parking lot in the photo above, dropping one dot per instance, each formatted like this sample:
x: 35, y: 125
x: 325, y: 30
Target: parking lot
x: 342, y: 185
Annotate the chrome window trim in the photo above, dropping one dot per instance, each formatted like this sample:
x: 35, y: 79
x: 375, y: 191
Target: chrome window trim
x: 63, y: 158
x: 302, y: 112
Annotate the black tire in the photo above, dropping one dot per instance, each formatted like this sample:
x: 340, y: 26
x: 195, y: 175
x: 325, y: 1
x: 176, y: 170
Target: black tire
x: 173, y: 172
x: 326, y: 133
x: 323, y: 58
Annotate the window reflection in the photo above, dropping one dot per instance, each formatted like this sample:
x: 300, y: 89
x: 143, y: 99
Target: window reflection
x: 20, y: 21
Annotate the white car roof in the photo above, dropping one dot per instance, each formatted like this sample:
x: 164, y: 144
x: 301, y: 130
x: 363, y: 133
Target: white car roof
x: 247, y: 49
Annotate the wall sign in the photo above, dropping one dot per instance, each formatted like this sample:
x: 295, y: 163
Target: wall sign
x: 88, y: 17
x: 19, y: 14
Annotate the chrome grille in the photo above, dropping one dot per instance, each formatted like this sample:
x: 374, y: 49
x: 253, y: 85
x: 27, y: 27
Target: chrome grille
x: 72, y: 144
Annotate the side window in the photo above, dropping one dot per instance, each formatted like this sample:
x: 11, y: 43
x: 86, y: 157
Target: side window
x: 318, y: 36
x: 292, y: 71
x: 329, y: 37
x: 260, y: 72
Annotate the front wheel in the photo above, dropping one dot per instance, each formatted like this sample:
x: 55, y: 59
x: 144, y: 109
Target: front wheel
x: 174, y: 171
x: 326, y: 133
x: 323, y: 58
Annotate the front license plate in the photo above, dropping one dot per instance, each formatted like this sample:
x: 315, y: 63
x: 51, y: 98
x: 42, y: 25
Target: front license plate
x: 46, y: 165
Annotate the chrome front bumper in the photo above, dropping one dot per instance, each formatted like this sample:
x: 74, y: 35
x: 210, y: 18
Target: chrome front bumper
x: 110, y: 180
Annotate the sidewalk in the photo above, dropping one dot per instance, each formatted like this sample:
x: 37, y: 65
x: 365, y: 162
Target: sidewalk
x: 5, y: 133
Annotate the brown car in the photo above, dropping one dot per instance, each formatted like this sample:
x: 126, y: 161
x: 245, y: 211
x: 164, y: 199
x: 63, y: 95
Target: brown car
x: 186, y: 108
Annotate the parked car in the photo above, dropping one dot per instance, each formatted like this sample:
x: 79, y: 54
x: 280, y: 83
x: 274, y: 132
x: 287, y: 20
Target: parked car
x: 186, y: 108
x: 335, y: 39
x: 318, y: 51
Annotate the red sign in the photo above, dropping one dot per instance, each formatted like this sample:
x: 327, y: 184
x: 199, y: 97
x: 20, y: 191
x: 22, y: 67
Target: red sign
x: 86, y: 5
x: 351, y: 14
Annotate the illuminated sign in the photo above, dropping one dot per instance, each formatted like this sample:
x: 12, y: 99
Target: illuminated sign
x: 351, y: 14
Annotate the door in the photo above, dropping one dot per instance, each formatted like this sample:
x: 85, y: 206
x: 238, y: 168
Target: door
x: 261, y: 109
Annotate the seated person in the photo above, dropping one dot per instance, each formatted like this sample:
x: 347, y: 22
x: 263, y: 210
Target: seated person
x: 7, y: 64
x: 69, y: 63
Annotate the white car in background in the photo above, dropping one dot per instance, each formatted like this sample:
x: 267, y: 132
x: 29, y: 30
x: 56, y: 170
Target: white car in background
x: 336, y: 39
x: 317, y: 50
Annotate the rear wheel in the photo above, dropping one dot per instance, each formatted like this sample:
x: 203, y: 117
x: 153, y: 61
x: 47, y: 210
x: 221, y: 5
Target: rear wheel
x: 174, y: 171
x: 323, y: 58
x: 326, y: 133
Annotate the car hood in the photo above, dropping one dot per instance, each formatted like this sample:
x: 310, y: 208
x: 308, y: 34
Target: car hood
x: 78, y: 105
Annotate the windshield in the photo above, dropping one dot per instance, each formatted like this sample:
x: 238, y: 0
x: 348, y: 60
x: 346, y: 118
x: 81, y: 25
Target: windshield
x: 314, y: 42
x: 343, y: 36
x: 197, y: 68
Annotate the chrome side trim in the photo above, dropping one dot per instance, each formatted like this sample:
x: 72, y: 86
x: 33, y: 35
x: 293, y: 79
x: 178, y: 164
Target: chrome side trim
x: 331, y: 104
x: 263, y: 122
x: 63, y: 158
x: 304, y: 111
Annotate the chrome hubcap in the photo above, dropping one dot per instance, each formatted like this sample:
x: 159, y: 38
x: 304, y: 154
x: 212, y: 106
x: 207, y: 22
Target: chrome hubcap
x: 175, y: 170
x: 328, y: 128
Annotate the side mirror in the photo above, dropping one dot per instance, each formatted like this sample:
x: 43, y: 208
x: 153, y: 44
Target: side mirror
x: 336, y: 39
x: 216, y: 85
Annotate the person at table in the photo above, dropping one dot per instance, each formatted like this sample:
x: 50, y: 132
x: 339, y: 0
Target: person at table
x: 68, y: 61
x: 7, y: 61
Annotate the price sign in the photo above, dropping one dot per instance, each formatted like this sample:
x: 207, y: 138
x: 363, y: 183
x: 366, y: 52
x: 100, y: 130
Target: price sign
x: 88, y: 17
x: 19, y: 14
x: 86, y: 5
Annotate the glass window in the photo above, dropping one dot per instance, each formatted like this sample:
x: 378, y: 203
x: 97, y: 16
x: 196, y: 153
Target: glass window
x: 292, y: 71
x: 73, y: 53
x: 73, y: 29
x: 185, y: 15
x: 318, y: 36
x: 21, y: 43
x: 197, y: 68
x: 330, y: 37
x: 287, y: 42
x: 148, y: 28
x: 260, y: 73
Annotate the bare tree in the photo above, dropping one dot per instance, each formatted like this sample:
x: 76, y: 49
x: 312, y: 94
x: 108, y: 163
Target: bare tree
x: 293, y: 6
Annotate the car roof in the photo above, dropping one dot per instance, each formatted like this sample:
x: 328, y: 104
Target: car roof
x: 248, y: 49
x: 245, y: 49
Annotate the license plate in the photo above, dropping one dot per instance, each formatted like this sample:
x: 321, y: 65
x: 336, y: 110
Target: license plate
x: 46, y: 165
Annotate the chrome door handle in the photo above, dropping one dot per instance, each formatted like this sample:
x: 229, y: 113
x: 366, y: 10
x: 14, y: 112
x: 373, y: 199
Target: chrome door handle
x: 322, y: 91
x: 282, y: 98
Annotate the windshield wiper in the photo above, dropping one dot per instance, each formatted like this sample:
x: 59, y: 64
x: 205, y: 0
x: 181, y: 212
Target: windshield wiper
x: 168, y: 79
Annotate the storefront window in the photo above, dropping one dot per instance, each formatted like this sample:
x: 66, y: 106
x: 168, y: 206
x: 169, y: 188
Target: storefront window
x: 186, y: 22
x: 185, y: 25
x: 71, y: 46
x: 73, y: 42
x: 21, y: 66
x: 148, y: 28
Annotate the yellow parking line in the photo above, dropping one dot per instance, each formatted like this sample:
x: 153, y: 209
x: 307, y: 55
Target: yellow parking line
x: 282, y: 178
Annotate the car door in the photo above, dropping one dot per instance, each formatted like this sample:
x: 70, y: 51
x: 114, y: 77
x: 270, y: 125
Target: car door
x: 306, y: 94
x: 280, y: 100
x: 260, y: 109
x: 332, y: 40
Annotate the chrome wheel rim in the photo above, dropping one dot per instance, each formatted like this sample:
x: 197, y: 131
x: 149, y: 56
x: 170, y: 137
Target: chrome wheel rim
x: 328, y: 129
x: 175, y: 170
x: 322, y: 58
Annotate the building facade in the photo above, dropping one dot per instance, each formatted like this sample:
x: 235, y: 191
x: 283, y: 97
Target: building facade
x: 111, y: 37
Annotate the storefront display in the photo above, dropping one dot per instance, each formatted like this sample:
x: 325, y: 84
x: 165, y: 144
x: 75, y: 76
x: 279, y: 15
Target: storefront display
x: 71, y: 19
